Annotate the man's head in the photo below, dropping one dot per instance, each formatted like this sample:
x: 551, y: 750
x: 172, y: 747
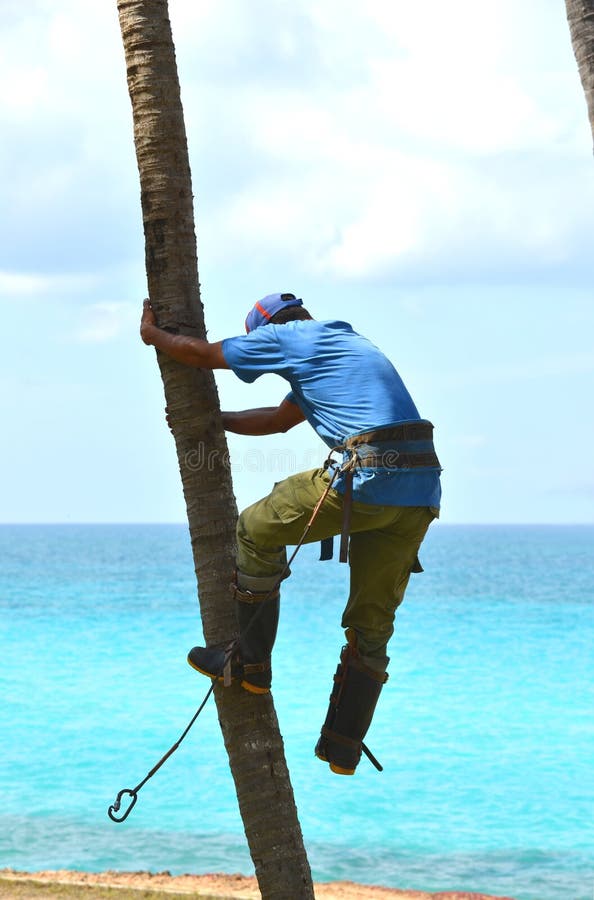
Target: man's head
x: 276, y: 309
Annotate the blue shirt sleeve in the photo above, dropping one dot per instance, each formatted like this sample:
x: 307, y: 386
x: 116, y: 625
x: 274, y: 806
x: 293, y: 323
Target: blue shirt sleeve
x: 257, y: 353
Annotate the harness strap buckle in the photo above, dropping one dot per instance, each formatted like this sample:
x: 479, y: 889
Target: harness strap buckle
x: 245, y: 596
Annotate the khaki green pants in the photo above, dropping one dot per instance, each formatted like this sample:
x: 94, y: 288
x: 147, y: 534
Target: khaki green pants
x: 383, y: 548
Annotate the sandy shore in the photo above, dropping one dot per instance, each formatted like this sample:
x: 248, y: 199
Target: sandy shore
x: 225, y: 887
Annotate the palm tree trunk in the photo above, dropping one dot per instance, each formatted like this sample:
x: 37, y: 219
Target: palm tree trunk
x: 580, y: 15
x: 248, y: 722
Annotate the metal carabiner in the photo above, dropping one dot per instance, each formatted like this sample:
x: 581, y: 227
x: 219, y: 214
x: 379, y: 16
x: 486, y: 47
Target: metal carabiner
x: 115, y: 807
x: 329, y: 461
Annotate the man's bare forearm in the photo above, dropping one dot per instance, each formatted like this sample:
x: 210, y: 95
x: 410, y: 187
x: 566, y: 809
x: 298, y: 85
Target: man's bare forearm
x: 266, y: 420
x: 180, y: 347
x: 185, y: 349
x: 252, y: 421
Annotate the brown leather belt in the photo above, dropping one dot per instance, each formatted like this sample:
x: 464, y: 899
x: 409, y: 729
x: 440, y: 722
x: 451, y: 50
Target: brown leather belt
x: 405, y: 431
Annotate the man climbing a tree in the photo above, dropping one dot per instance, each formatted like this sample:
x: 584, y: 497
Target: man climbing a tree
x: 381, y: 501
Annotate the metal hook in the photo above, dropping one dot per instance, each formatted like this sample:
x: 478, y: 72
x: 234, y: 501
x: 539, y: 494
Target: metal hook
x: 329, y: 461
x: 118, y: 802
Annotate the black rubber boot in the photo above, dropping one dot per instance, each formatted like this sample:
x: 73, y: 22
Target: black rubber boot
x: 257, y: 616
x: 258, y: 622
x: 354, y: 696
x: 211, y: 661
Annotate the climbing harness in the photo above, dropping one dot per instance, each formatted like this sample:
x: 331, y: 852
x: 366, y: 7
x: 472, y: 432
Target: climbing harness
x: 385, y: 448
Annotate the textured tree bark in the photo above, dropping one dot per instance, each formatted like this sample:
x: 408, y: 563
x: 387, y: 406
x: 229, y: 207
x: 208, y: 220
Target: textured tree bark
x: 580, y: 15
x: 248, y: 722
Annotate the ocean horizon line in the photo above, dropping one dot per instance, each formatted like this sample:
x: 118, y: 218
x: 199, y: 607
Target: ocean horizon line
x: 154, y: 524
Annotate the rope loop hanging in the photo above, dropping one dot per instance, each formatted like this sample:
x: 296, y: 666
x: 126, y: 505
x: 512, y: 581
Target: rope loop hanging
x: 132, y: 793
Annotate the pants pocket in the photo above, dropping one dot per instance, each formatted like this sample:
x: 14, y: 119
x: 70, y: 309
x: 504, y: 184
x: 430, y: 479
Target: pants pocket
x: 284, y: 502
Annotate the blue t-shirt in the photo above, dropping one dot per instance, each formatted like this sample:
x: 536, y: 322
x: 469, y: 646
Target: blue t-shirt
x: 343, y: 385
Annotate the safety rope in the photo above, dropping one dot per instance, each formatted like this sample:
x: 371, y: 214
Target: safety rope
x: 346, y: 466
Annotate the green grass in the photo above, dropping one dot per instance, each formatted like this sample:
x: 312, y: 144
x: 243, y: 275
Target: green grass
x: 36, y: 890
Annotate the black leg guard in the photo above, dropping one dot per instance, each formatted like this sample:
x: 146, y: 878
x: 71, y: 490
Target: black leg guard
x: 353, y: 700
x: 258, y: 622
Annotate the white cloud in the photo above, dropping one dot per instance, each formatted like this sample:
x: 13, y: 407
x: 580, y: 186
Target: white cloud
x: 106, y: 321
x: 375, y: 210
x: 487, y: 112
x: 416, y: 162
x: 30, y: 284
x: 358, y: 138
x: 21, y: 284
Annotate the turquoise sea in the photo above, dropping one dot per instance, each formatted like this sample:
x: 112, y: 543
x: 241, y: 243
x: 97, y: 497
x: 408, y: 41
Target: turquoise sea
x: 485, y: 728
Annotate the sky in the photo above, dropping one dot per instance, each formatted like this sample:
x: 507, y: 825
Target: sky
x: 423, y: 171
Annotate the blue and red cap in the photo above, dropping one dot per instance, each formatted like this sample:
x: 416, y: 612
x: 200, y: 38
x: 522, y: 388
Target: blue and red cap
x: 263, y: 310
